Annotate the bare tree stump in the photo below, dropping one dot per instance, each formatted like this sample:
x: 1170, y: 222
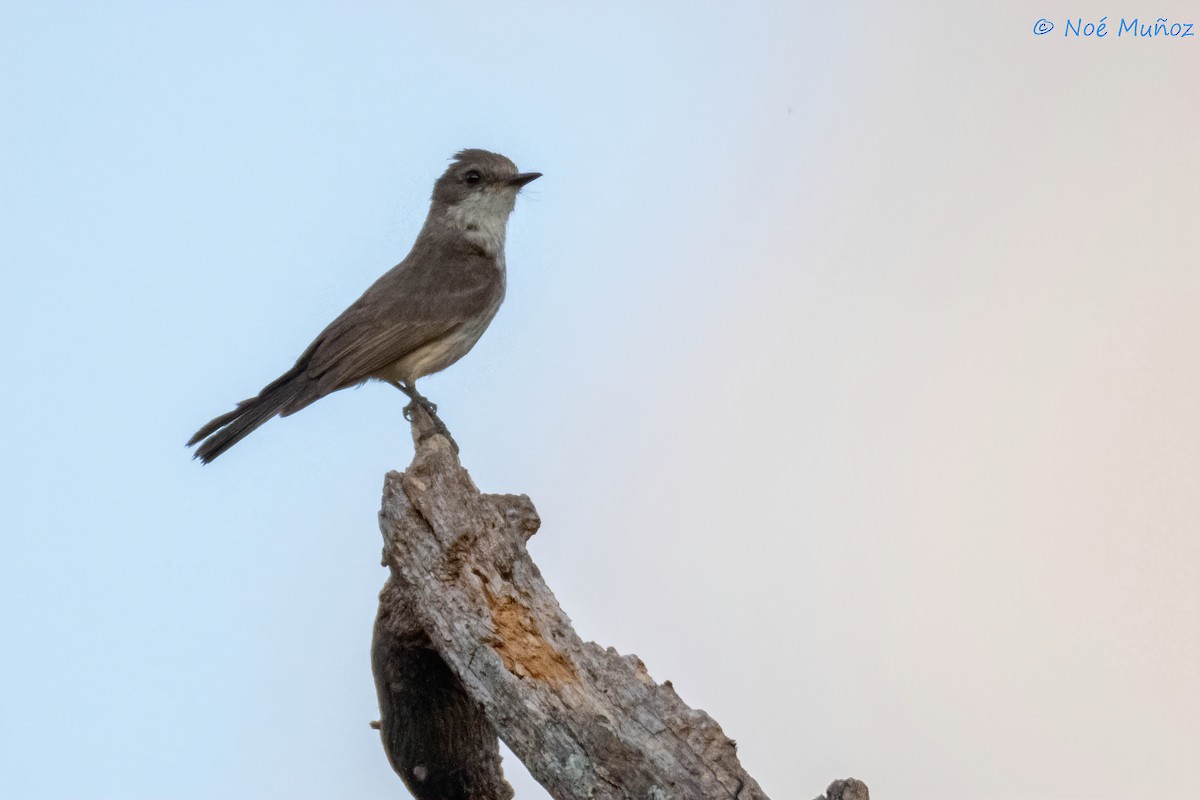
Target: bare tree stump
x: 470, y: 643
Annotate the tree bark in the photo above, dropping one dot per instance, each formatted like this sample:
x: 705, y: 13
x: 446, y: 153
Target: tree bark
x: 470, y: 643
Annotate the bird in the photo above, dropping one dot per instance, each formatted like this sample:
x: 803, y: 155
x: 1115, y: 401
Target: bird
x: 418, y: 318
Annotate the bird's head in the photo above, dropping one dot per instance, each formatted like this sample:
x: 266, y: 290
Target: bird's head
x: 481, y: 183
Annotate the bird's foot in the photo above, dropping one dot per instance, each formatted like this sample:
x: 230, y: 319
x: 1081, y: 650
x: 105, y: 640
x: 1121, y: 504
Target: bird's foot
x: 417, y: 400
x: 420, y: 401
x: 423, y: 403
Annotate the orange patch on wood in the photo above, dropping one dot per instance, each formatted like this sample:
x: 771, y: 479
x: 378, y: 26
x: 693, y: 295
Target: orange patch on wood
x: 524, y: 652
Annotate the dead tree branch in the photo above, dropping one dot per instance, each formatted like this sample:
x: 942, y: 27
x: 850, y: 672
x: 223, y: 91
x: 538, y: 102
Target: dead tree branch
x: 470, y: 643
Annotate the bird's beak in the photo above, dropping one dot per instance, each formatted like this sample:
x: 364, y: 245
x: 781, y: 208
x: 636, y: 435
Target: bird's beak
x: 523, y: 178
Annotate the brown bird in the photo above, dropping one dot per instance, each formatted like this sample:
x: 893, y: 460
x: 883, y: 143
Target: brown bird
x: 424, y: 314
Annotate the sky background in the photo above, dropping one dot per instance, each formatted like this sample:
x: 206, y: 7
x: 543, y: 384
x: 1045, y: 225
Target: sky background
x: 849, y: 356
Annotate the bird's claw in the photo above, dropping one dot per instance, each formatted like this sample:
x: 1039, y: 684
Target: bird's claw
x: 417, y: 400
x: 430, y: 408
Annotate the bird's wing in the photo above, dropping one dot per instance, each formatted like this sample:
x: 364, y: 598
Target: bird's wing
x: 418, y: 301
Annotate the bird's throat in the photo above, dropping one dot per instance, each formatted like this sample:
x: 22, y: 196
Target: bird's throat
x: 483, y: 219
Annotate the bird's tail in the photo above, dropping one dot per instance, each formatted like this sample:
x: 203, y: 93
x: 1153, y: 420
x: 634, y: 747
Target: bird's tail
x: 291, y: 392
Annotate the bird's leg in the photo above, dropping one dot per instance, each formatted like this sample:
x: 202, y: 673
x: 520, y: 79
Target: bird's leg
x: 418, y: 399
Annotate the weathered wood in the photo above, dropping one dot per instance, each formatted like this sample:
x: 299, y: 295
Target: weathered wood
x: 436, y: 737
x: 848, y: 789
x: 470, y: 643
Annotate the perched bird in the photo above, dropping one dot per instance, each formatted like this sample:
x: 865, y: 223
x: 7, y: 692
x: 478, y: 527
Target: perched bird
x: 424, y: 314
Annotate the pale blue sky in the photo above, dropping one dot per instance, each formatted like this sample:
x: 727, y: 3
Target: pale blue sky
x: 848, y: 355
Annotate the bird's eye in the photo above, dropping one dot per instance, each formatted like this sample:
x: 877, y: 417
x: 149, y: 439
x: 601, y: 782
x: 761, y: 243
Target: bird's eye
x: 473, y: 176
